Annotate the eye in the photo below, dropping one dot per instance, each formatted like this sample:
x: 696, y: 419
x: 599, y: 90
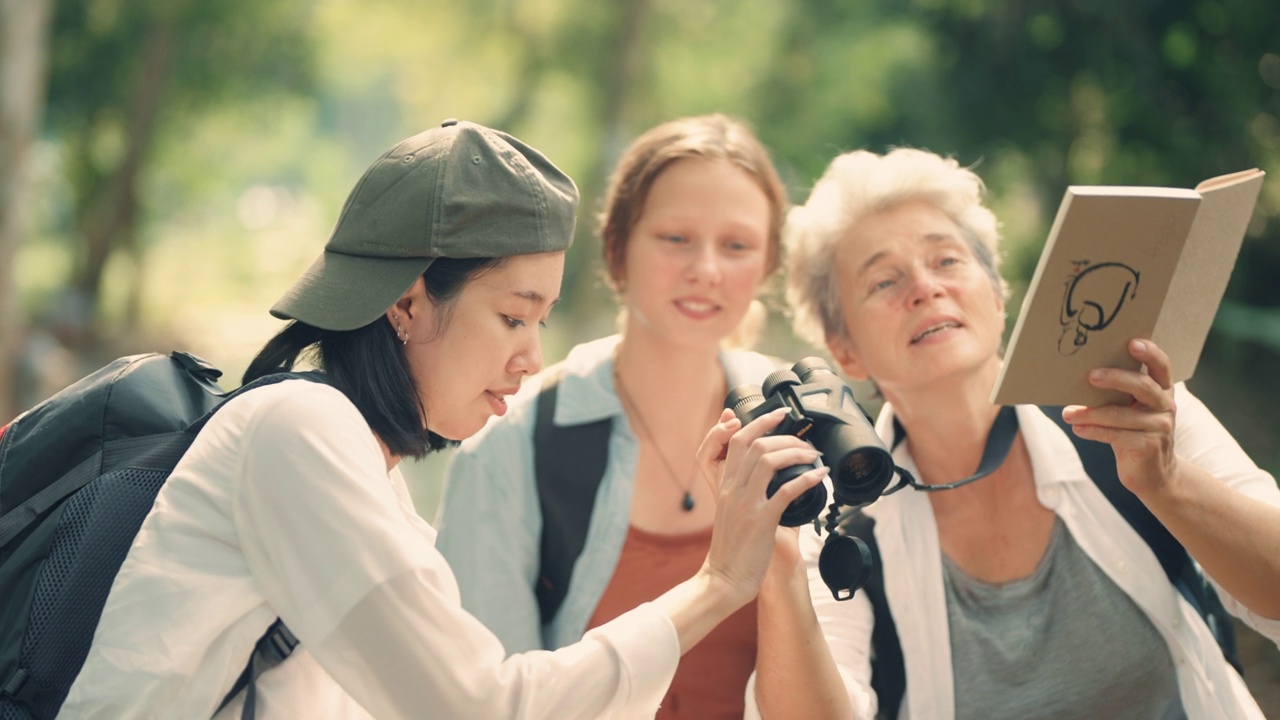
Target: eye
x: 675, y: 239
x: 882, y: 285
x: 512, y: 322
x: 737, y: 245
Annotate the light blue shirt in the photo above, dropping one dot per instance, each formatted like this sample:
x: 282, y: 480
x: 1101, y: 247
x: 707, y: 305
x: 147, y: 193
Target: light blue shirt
x: 490, y: 523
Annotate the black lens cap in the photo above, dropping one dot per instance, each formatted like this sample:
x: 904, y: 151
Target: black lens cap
x: 845, y: 565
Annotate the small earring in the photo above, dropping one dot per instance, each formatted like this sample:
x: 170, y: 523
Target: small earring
x: 402, y: 335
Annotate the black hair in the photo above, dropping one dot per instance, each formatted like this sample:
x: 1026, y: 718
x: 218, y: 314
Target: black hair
x: 368, y: 364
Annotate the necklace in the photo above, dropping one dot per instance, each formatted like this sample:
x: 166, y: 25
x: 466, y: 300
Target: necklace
x: 630, y: 407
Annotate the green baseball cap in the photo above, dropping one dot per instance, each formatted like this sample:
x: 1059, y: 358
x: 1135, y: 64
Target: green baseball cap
x: 460, y: 190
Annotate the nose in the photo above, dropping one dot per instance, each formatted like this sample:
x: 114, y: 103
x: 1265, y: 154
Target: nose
x: 528, y: 358
x: 925, y: 286
x: 704, y: 265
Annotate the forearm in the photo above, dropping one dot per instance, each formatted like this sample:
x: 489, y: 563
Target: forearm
x: 698, y: 604
x: 1234, y: 537
x: 795, y: 673
x: 407, y: 650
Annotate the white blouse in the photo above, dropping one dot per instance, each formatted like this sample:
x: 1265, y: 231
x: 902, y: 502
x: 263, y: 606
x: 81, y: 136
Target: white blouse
x: 283, y: 507
x: 910, y: 555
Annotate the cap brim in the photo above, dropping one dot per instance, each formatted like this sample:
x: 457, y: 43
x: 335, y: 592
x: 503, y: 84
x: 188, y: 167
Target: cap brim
x: 345, y: 292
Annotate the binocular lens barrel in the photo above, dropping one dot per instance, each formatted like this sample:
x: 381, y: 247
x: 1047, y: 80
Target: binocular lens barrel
x: 862, y: 475
x: 805, y: 508
x: 864, y: 470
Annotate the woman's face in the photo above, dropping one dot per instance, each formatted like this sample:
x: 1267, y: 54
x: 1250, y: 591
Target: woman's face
x: 918, y: 305
x: 698, y: 252
x: 469, y: 358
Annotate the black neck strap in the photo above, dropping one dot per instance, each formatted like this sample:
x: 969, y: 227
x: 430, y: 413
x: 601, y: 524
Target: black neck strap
x: 999, y: 441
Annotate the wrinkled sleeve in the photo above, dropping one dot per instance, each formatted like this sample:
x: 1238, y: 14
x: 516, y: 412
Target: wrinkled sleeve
x: 846, y: 625
x: 1203, y: 440
x: 490, y: 529
x: 455, y: 667
x: 353, y: 572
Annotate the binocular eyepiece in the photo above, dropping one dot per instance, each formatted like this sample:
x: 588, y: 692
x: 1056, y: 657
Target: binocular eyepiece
x: 821, y: 410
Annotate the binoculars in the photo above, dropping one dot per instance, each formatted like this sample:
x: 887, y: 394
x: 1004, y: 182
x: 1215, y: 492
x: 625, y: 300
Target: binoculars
x: 821, y: 410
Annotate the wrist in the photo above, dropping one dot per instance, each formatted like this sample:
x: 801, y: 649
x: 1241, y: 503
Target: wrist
x: 723, y: 592
x: 1171, y: 490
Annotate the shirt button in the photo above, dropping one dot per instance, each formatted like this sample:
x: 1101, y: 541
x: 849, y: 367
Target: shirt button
x: 1051, y: 494
x: 1122, y: 568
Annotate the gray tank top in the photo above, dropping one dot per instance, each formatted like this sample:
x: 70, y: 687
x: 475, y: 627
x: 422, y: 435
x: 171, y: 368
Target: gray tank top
x: 1063, y: 642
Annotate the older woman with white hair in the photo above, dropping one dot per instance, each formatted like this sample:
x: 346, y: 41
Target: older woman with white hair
x: 1022, y: 589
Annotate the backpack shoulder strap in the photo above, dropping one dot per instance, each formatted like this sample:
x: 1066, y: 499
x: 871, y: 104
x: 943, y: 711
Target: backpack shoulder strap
x: 1100, y: 465
x: 275, y: 645
x: 569, y: 462
x: 888, y: 671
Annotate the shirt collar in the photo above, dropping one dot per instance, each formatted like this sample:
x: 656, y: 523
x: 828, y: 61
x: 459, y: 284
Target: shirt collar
x: 1053, y: 456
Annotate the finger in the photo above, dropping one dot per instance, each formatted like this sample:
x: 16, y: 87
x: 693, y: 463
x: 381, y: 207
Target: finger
x: 794, y: 489
x: 716, y: 442
x: 770, y: 443
x: 1142, y: 387
x: 1157, y: 361
x: 761, y: 426
x: 741, y: 441
x: 1120, y: 417
x: 767, y: 456
x: 1118, y: 439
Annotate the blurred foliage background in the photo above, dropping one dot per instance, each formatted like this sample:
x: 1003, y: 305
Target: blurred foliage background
x: 168, y: 168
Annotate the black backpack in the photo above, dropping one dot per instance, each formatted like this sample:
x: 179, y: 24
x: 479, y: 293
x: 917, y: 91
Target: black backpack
x: 888, y: 673
x: 569, y: 463
x: 78, y: 474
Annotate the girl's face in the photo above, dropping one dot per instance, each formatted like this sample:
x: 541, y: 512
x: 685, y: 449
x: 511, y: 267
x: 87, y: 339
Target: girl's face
x: 696, y: 256
x: 469, y: 358
x: 918, y: 306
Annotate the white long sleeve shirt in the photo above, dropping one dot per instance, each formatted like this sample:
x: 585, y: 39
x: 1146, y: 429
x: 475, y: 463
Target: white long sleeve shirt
x: 283, y: 507
x: 911, y: 558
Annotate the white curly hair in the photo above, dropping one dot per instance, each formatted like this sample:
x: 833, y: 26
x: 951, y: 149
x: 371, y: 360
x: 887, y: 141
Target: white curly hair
x: 860, y: 183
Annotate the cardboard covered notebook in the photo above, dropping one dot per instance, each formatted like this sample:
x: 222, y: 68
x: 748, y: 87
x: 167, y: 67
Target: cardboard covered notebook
x: 1124, y: 263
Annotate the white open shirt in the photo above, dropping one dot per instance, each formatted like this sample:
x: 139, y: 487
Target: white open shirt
x: 283, y: 507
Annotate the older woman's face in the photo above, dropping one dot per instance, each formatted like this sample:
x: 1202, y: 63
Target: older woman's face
x: 918, y: 306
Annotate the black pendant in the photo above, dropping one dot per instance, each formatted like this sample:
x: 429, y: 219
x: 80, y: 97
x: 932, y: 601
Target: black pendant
x: 687, y: 503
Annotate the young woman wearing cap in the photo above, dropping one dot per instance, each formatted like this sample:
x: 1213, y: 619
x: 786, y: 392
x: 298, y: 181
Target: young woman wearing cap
x: 1022, y: 592
x: 690, y: 229
x: 423, y: 313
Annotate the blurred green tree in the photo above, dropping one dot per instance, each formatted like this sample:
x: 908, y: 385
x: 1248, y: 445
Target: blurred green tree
x: 1045, y: 94
x: 122, y: 74
x: 23, y: 51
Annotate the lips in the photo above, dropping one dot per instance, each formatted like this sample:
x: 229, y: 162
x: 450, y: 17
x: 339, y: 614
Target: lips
x: 697, y: 307
x: 934, y: 328
x: 497, y: 399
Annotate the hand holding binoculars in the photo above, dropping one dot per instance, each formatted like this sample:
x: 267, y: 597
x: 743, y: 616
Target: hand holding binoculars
x: 822, y: 410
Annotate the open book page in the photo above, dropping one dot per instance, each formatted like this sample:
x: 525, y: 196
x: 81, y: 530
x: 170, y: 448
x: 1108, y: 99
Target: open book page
x: 1120, y: 263
x: 1205, y: 269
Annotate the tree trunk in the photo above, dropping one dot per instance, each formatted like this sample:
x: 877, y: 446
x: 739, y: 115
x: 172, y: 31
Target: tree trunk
x: 623, y: 71
x: 108, y: 218
x: 24, y: 33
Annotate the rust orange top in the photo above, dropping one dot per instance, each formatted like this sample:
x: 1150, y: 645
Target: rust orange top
x: 712, y: 677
